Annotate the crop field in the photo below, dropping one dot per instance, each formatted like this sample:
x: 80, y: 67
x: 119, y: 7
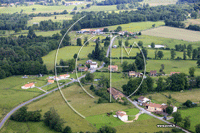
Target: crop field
x: 192, y: 22
x: 59, y: 18
x: 137, y: 26
x: 174, y: 33
x: 39, y: 9
x: 159, y: 2
x: 87, y: 107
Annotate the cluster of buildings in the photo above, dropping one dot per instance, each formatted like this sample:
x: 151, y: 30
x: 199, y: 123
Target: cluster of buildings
x: 61, y: 77
x: 153, y: 107
x: 73, y: 3
x: 154, y: 73
x: 92, y: 64
x: 157, y: 46
x: 100, y: 31
x: 91, y: 31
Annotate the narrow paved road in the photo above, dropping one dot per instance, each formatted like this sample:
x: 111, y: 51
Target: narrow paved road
x: 36, y: 98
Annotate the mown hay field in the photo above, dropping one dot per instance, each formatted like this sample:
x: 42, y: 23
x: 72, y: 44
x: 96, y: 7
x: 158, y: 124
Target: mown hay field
x: 174, y: 33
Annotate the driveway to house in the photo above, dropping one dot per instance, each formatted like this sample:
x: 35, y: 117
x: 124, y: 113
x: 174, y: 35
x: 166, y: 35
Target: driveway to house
x: 38, y: 97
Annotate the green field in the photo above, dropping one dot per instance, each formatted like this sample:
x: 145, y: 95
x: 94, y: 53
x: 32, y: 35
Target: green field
x: 173, y: 66
x: 182, y: 97
x: 12, y: 95
x: 101, y: 120
x: 39, y: 9
x: 102, y: 8
x: 26, y: 127
x: 194, y: 115
x: 118, y: 52
x: 86, y: 107
x: 59, y: 18
x: 174, y: 33
x: 147, y: 40
x: 137, y: 26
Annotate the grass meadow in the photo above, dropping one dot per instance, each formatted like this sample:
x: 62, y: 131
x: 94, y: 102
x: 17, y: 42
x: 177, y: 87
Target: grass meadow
x: 59, y: 18
x: 137, y: 26
x: 87, y: 107
x: 39, y: 9
x: 174, y: 33
x: 103, y: 119
x: 193, y: 114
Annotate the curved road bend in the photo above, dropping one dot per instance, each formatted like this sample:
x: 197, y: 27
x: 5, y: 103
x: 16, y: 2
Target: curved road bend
x: 38, y: 97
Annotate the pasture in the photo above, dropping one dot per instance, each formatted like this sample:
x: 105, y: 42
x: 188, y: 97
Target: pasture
x: 118, y: 52
x: 102, y: 8
x: 59, y: 18
x: 39, y: 9
x: 26, y: 127
x: 173, y: 66
x: 137, y: 26
x: 103, y: 119
x: 194, y: 116
x: 87, y: 107
x: 174, y: 33
x: 182, y: 97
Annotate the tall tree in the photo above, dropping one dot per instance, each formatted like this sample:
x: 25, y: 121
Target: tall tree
x: 152, y: 45
x: 160, y: 54
x: 86, y: 42
x: 173, y: 54
x: 79, y: 42
x: 197, y: 128
x: 189, y: 52
x: 191, y: 71
x: 194, y: 54
x: 177, y: 117
x: 184, y: 55
x: 160, y: 86
x: 187, y: 122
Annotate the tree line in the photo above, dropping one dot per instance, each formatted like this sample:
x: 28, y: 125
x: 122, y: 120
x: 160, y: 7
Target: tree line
x: 116, y: 2
x: 102, y: 19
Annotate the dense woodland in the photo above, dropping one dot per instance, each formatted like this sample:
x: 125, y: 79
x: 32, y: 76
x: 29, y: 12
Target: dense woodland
x: 101, y: 19
x: 22, y: 55
x: 13, y: 21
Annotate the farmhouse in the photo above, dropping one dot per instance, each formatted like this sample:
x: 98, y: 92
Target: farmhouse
x: 142, y: 100
x: 114, y: 46
x: 122, y: 115
x: 153, y: 107
x: 88, y: 62
x: 174, y: 73
x: 93, y: 65
x: 153, y: 73
x: 113, y: 68
x: 134, y: 74
x: 64, y: 76
x: 51, y: 81
x: 115, y: 93
x: 82, y: 69
x: 157, y: 46
x: 27, y: 86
